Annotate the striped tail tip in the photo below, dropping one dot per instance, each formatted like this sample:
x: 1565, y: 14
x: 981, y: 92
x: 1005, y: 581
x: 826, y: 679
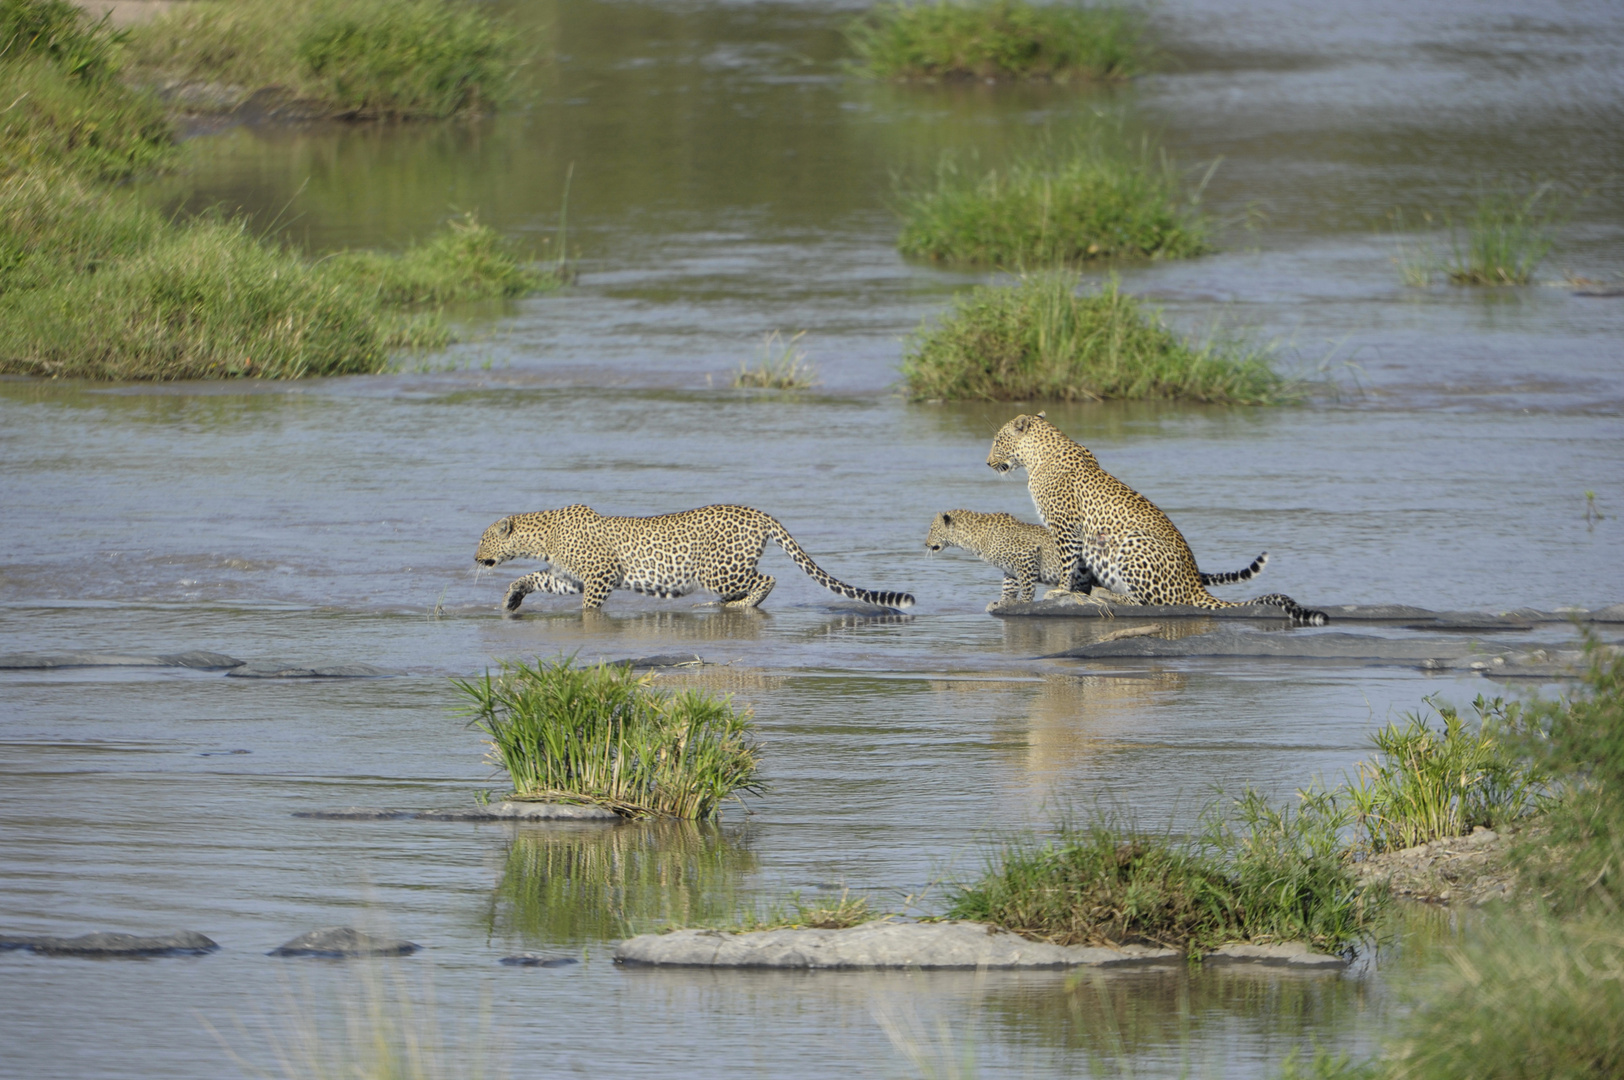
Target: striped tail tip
x: 895, y: 600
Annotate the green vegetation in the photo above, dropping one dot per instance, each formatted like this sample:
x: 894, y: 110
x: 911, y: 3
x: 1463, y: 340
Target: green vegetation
x: 1039, y: 339
x: 464, y: 261
x: 95, y: 285
x: 352, y: 58
x: 1089, y: 200
x: 604, y: 735
x: 1504, y: 238
x: 1259, y: 874
x: 59, y: 73
x: 841, y: 913
x: 997, y: 40
x: 782, y: 366
x: 1429, y: 784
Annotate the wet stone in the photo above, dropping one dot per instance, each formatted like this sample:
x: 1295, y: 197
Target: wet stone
x: 546, y: 960
x: 945, y: 945
x: 109, y: 944
x: 339, y: 942
x: 663, y: 660
x: 276, y: 669
x: 45, y: 661
x: 1289, y: 954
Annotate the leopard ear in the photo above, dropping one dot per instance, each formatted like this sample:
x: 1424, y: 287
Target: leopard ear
x: 947, y: 519
x: 507, y: 526
x: 1043, y: 416
x: 1019, y: 424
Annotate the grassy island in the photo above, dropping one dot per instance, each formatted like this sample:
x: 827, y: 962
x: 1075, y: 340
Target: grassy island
x: 1041, y: 339
x: 358, y: 59
x: 95, y: 284
x: 1077, y: 204
x: 604, y: 735
x: 997, y: 40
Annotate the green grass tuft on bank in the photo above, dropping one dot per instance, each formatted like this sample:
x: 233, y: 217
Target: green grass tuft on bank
x: 605, y: 735
x: 782, y: 365
x: 1079, y: 203
x: 399, y: 59
x: 1041, y: 340
x: 1258, y: 874
x: 997, y: 40
x: 464, y: 261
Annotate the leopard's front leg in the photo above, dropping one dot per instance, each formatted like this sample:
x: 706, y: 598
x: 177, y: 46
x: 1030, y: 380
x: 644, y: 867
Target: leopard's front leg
x: 541, y: 581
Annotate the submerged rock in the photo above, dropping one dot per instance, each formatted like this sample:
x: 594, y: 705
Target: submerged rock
x: 1290, y: 954
x: 207, y: 661
x: 530, y: 959
x: 502, y: 811
x: 663, y: 660
x: 276, y: 669
x: 342, y: 942
x: 109, y: 944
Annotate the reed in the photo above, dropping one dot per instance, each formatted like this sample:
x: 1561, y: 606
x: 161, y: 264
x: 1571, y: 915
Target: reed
x: 840, y: 913
x: 1255, y: 874
x: 355, y: 58
x: 1427, y: 784
x: 782, y: 365
x: 1040, y: 339
x: 996, y: 40
x: 1504, y: 238
x: 604, y: 735
x: 1093, y: 198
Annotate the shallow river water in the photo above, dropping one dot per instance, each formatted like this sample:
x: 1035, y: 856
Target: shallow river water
x: 729, y: 180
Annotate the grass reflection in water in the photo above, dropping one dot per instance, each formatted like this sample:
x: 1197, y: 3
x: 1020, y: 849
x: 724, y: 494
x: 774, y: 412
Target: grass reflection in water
x: 599, y: 883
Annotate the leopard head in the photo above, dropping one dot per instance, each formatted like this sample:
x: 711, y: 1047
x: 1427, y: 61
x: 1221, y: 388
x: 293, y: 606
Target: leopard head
x: 512, y: 537
x: 943, y: 531
x: 1014, y: 441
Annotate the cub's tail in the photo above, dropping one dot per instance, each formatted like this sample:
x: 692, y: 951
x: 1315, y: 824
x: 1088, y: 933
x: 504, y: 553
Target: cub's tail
x: 896, y: 600
x: 1298, y: 614
x: 1240, y: 575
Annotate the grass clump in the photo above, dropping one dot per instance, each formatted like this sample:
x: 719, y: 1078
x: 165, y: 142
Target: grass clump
x: 842, y: 913
x: 1259, y: 875
x: 782, y: 366
x: 1503, y: 239
x: 1429, y: 784
x: 997, y: 40
x: 1041, y: 339
x: 354, y: 58
x: 464, y: 261
x: 604, y: 735
x: 1085, y: 202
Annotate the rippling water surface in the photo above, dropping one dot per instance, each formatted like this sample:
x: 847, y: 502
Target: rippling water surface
x: 729, y: 180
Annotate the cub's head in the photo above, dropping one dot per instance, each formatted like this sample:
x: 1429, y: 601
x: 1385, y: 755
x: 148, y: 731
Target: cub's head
x: 505, y: 540
x: 941, y: 531
x: 1009, y: 444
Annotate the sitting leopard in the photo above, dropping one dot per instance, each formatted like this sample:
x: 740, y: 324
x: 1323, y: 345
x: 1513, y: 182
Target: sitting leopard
x: 1028, y: 553
x: 713, y: 547
x: 1112, y: 532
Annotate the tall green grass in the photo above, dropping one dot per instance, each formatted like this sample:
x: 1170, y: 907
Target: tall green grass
x: 997, y: 40
x: 1041, y: 339
x: 782, y: 365
x: 1257, y: 874
x: 1427, y: 784
x: 1091, y: 199
x: 605, y: 735
x: 355, y: 58
x: 1503, y: 238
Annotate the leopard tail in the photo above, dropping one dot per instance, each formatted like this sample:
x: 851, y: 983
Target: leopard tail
x: 1240, y: 575
x: 833, y: 584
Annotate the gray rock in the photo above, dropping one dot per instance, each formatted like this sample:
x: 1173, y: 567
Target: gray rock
x: 530, y: 959
x: 276, y: 669
x: 1070, y: 609
x: 502, y: 811
x: 45, y: 661
x: 1293, y: 646
x: 105, y: 943
x: 875, y: 945
x: 663, y: 660
x: 1292, y: 954
x: 1610, y: 613
x: 341, y: 942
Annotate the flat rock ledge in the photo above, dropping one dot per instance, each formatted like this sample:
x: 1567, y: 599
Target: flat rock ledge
x: 502, y: 811
x: 343, y: 942
x: 108, y: 944
x: 924, y: 946
x: 1404, y: 615
x: 1458, y: 870
x: 197, y: 658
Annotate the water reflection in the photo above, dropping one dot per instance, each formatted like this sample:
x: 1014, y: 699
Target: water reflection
x: 596, y: 883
